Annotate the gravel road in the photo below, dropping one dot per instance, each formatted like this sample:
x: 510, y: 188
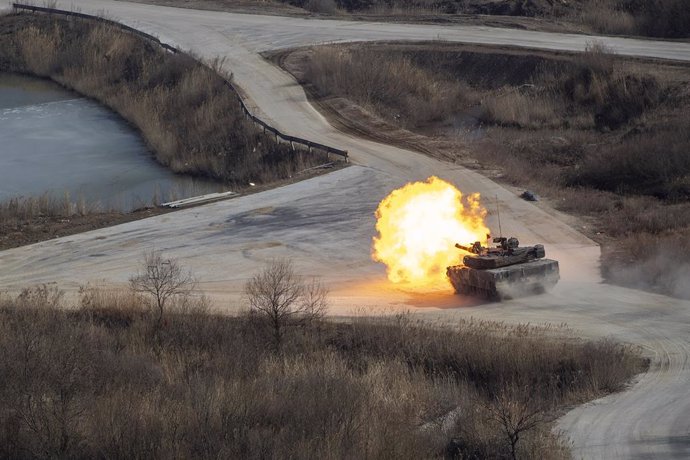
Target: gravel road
x: 326, y: 223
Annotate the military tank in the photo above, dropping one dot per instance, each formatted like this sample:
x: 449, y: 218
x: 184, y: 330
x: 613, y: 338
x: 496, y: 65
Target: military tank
x: 504, y: 271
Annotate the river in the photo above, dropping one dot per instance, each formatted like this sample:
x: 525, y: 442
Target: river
x: 56, y: 142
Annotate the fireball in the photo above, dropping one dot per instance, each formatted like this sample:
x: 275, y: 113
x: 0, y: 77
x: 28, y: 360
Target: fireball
x: 418, y: 226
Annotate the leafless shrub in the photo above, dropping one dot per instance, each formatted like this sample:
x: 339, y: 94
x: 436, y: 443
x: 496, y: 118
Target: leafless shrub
x: 281, y: 297
x: 516, y: 415
x: 163, y: 279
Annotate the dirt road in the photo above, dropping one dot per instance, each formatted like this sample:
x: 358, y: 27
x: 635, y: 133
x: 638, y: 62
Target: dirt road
x: 326, y: 223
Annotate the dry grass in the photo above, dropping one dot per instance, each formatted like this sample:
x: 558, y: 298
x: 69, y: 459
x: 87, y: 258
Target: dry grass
x: 393, y: 87
x: 25, y: 220
x: 17, y: 210
x: 602, y: 16
x: 516, y: 108
x: 104, y: 380
x: 184, y: 111
x: 559, y: 113
x: 586, y: 91
x: 416, y: 86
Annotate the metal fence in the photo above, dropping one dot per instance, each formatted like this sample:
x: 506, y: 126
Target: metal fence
x: 264, y: 126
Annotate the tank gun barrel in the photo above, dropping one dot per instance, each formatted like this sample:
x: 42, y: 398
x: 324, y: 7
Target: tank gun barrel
x: 475, y: 248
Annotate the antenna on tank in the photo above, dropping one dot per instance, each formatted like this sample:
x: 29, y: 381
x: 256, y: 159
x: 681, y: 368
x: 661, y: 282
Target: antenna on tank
x: 498, y: 212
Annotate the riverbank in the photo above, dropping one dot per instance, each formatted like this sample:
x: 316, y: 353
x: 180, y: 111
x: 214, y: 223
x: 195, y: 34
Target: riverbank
x: 184, y: 110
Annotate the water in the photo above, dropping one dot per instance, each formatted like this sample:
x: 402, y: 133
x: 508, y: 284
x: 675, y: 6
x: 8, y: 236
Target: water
x: 56, y: 142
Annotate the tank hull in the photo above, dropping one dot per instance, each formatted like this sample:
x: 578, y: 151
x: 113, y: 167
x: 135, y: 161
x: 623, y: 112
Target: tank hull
x: 519, y: 280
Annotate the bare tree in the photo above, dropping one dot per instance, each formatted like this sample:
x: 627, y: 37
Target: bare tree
x: 282, y: 297
x: 162, y: 279
x: 516, y: 415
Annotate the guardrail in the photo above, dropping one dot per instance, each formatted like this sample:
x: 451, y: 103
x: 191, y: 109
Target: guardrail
x: 265, y: 126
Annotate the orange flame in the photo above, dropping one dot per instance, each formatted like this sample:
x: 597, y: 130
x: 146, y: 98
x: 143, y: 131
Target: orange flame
x: 418, y: 227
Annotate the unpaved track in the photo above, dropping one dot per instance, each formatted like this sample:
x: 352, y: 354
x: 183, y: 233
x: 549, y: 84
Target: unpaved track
x: 325, y: 224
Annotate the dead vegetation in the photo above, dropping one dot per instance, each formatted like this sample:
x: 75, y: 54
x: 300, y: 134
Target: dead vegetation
x: 30, y: 220
x: 185, y: 112
x: 395, y: 88
x: 601, y: 136
x: 108, y: 379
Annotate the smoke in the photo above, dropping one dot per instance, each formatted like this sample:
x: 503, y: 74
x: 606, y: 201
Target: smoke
x: 663, y: 267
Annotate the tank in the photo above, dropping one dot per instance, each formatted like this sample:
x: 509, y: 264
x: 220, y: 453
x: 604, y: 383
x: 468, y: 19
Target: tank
x: 503, y: 272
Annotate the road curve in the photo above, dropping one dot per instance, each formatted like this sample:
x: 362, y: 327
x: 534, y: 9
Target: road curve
x: 325, y: 224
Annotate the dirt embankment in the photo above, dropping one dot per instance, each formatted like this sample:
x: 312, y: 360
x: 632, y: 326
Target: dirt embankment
x: 601, y: 137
